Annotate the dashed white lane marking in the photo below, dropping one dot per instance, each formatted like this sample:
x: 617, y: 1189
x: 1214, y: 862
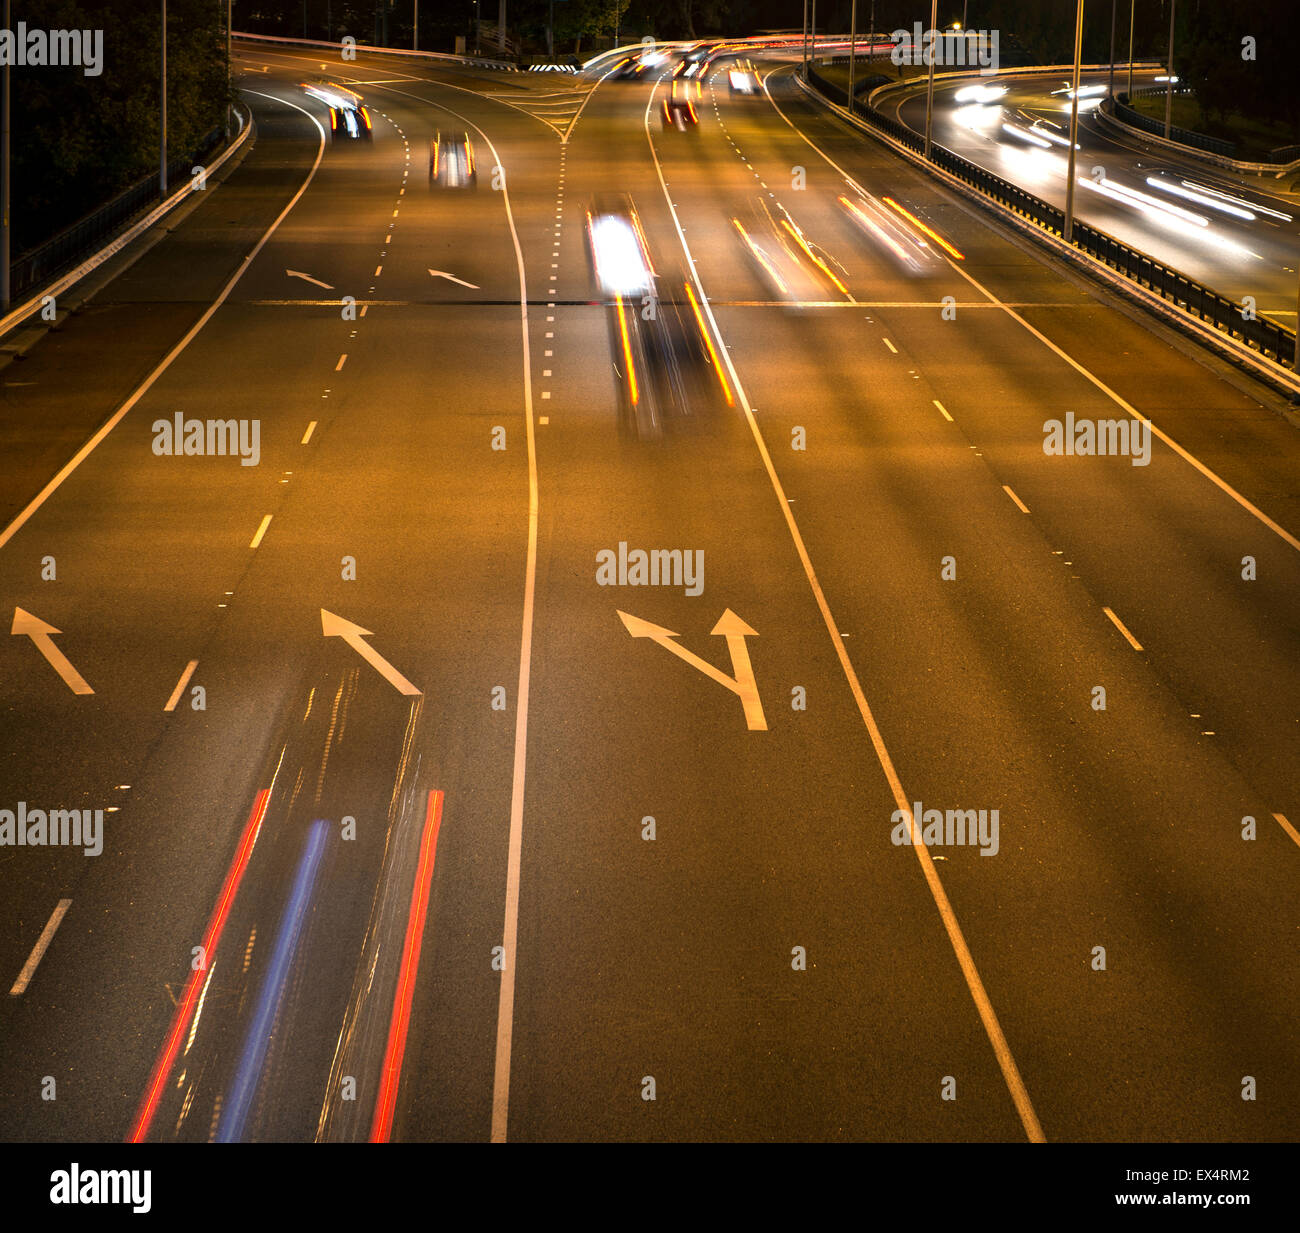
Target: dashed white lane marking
x: 306, y: 436
x: 1119, y: 625
x: 180, y: 685
x: 343, y: 359
x: 890, y: 345
x: 943, y: 411
x: 1024, y: 509
x: 42, y: 945
x: 257, y: 539
x: 1286, y: 826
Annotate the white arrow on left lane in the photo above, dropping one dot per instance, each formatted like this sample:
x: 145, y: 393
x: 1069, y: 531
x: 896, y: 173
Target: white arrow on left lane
x: 336, y: 627
x: 307, y: 278
x: 39, y: 632
x: 452, y: 278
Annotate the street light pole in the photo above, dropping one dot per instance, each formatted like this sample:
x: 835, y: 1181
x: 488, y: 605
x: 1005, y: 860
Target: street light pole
x: 1169, y: 84
x: 805, y: 39
x: 929, y: 89
x: 1068, y: 230
x: 415, y: 41
x: 4, y: 178
x: 162, y: 106
x: 1114, y: 6
x: 853, y: 48
x: 1132, y: 11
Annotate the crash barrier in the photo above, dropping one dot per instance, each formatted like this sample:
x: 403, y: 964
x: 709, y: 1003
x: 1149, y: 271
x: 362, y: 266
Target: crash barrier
x: 1184, y: 136
x: 1267, y: 337
x: 61, y: 252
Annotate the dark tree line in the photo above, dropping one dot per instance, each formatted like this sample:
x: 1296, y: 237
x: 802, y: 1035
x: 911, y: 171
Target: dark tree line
x: 77, y: 141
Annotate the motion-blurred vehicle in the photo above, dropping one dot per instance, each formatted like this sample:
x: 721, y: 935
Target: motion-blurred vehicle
x: 743, y: 78
x: 353, y: 122
x: 665, y: 362
x: 627, y: 69
x: 793, y: 266
x: 349, y: 117
x: 678, y: 114
x: 451, y: 161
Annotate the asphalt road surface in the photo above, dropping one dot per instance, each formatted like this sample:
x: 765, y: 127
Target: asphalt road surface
x: 420, y: 825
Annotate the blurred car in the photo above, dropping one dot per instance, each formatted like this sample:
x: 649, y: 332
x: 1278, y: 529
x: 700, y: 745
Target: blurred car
x: 743, y: 78
x: 451, y: 160
x: 353, y: 122
x: 678, y: 114
x: 627, y: 69
x: 666, y: 365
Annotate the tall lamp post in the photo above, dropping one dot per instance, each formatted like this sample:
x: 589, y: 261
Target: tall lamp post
x: 4, y: 177
x: 1068, y: 229
x: 929, y: 89
x: 1169, y: 83
x: 853, y: 48
x: 162, y: 105
x: 1132, y: 12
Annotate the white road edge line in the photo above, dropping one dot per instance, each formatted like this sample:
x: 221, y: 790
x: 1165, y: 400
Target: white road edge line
x: 993, y: 1029
x: 80, y: 456
x: 42, y: 945
x: 1073, y: 363
x: 180, y: 685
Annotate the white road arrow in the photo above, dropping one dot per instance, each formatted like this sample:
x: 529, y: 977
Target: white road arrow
x: 307, y: 278
x: 336, y: 627
x: 454, y: 279
x: 735, y: 631
x: 39, y: 632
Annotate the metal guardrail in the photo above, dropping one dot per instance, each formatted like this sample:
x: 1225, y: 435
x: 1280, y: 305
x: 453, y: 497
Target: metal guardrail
x: 67, y: 248
x: 1267, y: 337
x: 1184, y: 136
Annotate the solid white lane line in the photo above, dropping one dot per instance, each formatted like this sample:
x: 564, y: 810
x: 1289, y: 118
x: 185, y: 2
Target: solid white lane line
x: 180, y: 685
x: 1119, y: 625
x: 41, y: 497
x: 975, y: 985
x: 42, y: 945
x: 306, y: 436
x: 1024, y: 509
x: 257, y: 539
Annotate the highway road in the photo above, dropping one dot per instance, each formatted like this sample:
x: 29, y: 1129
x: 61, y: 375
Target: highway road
x: 472, y: 834
x: 1236, y: 233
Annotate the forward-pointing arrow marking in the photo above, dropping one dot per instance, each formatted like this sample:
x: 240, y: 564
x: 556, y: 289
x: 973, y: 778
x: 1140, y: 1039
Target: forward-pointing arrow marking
x: 336, y: 627
x: 307, y: 278
x: 735, y: 631
x: 454, y: 279
x: 39, y: 632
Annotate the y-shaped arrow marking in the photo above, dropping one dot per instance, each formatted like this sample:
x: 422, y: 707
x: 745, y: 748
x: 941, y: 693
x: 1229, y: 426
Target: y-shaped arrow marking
x: 735, y: 631
x: 336, y: 627
x: 39, y: 632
